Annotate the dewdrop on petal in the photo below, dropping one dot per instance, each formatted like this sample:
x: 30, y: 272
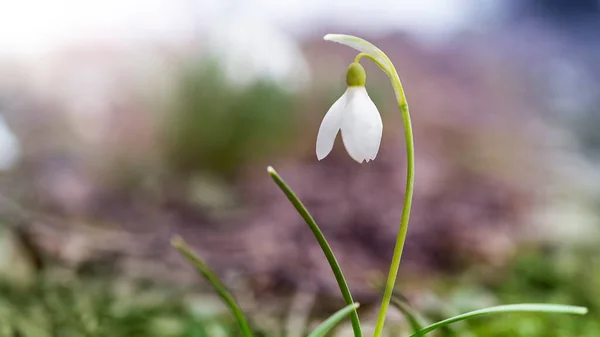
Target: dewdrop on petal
x: 356, y: 116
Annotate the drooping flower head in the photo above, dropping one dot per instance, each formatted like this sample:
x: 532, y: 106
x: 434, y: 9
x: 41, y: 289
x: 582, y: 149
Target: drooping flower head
x: 356, y: 116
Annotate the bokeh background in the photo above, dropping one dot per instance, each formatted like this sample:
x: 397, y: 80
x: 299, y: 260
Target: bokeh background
x: 123, y: 123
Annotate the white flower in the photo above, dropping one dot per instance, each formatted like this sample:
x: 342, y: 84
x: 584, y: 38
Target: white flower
x: 357, y: 116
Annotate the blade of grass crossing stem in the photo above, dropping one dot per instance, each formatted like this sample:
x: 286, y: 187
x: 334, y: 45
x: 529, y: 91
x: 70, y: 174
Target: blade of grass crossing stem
x: 511, y: 308
x: 333, y: 320
x: 410, y: 315
x: 335, y: 267
x: 214, y: 280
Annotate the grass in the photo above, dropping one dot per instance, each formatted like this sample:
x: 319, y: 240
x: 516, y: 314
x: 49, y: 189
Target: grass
x: 83, y: 306
x: 553, y: 275
x: 91, y: 307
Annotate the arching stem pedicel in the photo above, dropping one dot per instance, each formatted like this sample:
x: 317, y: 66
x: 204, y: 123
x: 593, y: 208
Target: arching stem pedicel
x: 410, y: 180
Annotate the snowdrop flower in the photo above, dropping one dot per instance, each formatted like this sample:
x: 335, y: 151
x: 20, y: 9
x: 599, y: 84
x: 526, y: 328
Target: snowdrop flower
x: 356, y: 116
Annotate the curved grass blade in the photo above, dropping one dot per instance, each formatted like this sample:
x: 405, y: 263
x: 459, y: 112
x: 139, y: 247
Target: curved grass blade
x: 333, y: 320
x: 335, y: 267
x: 214, y: 280
x: 511, y: 308
x: 401, y: 304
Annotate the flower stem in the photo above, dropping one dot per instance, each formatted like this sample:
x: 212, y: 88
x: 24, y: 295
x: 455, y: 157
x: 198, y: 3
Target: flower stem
x: 400, y: 239
x: 410, y: 181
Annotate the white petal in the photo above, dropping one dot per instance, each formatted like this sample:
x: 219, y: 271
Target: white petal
x: 361, y: 126
x: 331, y: 124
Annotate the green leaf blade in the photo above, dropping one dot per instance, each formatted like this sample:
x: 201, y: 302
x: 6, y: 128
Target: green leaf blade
x: 510, y: 308
x: 409, y: 314
x: 335, y: 267
x: 214, y: 280
x: 333, y: 320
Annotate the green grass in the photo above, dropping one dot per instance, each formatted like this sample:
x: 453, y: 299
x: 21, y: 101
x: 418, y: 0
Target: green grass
x: 88, y: 307
x: 569, y: 276
x: 214, y: 126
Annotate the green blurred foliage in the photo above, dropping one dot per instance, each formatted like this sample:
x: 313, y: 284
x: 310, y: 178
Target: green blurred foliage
x: 214, y: 126
x: 83, y: 306
x: 77, y: 307
x: 563, y: 276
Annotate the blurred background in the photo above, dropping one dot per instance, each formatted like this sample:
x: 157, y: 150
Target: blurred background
x: 123, y: 123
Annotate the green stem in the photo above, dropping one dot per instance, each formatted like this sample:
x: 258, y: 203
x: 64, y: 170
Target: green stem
x: 214, y: 280
x: 335, y: 267
x: 410, y: 181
